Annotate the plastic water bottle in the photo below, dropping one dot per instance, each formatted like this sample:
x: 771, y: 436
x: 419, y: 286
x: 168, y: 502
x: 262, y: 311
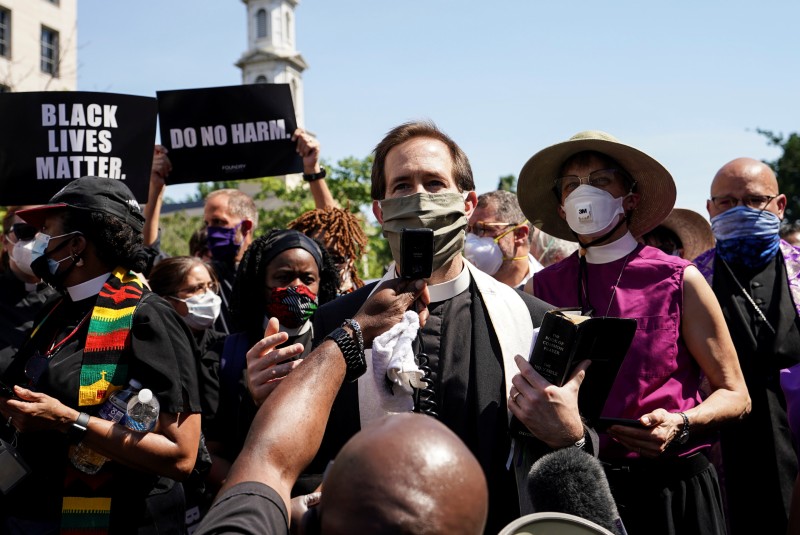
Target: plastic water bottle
x: 114, y: 409
x: 142, y: 411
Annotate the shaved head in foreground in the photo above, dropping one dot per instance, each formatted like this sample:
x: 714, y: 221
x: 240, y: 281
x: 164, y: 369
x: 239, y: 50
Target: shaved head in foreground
x: 407, y: 473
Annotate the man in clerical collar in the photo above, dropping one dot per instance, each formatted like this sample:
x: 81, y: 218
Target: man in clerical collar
x: 756, y: 277
x: 478, y: 327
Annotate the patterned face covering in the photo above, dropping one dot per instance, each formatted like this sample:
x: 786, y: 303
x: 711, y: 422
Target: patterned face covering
x: 747, y: 236
x: 293, y: 306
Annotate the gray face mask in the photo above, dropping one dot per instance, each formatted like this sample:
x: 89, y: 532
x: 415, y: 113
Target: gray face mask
x: 442, y: 212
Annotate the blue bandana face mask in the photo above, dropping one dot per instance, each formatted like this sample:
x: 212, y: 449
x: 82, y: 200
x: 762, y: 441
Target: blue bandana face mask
x: 746, y: 236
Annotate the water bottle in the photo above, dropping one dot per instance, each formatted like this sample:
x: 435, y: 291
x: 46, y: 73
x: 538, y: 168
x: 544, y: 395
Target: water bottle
x: 114, y: 409
x: 142, y: 412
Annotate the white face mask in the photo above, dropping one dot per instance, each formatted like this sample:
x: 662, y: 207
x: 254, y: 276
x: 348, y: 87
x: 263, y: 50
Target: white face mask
x: 484, y: 253
x: 203, y: 310
x: 22, y: 256
x: 591, y: 211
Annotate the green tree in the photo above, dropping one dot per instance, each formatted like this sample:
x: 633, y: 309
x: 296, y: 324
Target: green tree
x: 349, y: 182
x: 507, y: 183
x: 176, y: 231
x: 787, y: 169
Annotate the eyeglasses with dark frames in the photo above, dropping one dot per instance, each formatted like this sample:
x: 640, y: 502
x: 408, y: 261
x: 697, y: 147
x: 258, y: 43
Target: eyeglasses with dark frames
x: 757, y: 202
x: 24, y: 231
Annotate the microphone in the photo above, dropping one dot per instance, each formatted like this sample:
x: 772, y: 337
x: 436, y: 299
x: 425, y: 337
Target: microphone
x: 573, y: 482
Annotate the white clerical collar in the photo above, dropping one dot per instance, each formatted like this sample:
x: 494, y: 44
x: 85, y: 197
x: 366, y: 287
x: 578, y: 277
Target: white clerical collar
x: 87, y: 289
x: 603, y: 254
x: 447, y: 290
x: 296, y: 331
x: 444, y: 290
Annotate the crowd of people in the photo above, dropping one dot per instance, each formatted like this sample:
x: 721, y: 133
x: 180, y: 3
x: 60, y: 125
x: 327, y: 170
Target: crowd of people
x: 296, y: 397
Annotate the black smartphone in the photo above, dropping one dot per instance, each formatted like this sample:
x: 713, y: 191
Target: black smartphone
x: 6, y: 391
x: 604, y: 423
x: 416, y: 253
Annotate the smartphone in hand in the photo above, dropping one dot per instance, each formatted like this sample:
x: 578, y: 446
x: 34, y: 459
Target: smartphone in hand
x: 416, y: 253
x: 604, y: 423
x: 6, y: 392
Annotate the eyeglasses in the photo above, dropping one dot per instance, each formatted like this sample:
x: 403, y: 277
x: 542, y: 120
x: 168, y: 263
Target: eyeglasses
x: 24, y: 231
x: 602, y: 178
x: 481, y: 228
x: 200, y: 288
x: 757, y: 202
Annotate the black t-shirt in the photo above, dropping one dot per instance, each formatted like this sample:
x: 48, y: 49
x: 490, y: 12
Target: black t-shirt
x: 248, y: 507
x: 162, y: 356
x: 18, y: 307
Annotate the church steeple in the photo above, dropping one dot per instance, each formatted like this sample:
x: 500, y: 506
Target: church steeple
x: 271, y: 56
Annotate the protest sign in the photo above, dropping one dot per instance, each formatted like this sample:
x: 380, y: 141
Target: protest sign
x: 47, y: 139
x: 229, y: 133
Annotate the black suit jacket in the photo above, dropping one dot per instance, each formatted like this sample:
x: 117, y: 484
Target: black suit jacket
x: 345, y: 419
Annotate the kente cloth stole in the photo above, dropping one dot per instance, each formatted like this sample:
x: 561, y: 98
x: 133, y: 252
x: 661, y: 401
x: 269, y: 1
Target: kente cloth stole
x: 86, y: 506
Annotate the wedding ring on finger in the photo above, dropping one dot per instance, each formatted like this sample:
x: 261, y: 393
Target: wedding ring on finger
x: 515, y: 395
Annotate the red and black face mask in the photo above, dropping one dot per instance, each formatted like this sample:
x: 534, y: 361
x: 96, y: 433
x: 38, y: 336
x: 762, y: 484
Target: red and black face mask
x: 293, y: 306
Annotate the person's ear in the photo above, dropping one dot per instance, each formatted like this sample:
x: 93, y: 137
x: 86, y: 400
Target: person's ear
x: 561, y: 213
x: 631, y: 202
x: 246, y: 226
x: 780, y: 202
x: 470, y: 203
x: 708, y: 207
x: 78, y: 245
x: 377, y: 212
x: 521, y: 235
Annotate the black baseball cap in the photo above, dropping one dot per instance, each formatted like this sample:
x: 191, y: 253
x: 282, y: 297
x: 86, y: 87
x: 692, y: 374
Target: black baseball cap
x: 92, y: 194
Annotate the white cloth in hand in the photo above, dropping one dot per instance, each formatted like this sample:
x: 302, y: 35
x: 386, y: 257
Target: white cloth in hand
x: 393, y: 366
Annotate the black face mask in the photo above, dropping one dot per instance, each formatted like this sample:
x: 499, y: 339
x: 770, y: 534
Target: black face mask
x: 47, y: 269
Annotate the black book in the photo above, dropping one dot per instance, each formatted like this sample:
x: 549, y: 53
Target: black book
x: 565, y: 339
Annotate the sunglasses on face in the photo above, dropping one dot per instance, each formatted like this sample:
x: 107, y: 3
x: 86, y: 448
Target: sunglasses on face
x: 23, y: 231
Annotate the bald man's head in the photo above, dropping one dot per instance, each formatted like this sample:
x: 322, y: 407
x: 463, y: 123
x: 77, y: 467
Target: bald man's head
x: 744, y: 178
x: 407, y: 473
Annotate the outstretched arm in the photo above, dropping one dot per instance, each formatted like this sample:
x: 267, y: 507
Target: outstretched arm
x: 288, y: 428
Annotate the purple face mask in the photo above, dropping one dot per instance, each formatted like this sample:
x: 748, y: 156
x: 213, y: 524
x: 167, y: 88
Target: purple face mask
x: 222, y: 243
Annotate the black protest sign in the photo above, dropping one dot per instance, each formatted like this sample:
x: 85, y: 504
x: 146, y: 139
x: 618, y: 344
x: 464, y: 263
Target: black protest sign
x: 229, y: 133
x: 47, y: 139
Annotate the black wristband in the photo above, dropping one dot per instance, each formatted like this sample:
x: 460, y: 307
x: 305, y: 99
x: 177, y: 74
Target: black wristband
x: 353, y: 355
x: 79, y: 427
x: 315, y: 176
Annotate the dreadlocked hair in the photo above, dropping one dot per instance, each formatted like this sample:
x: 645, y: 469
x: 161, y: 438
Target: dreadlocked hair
x: 342, y: 231
x: 247, y: 299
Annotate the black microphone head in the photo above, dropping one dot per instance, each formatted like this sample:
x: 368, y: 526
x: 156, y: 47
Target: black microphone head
x: 573, y: 482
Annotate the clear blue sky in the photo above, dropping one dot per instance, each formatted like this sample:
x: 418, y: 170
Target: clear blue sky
x: 687, y: 82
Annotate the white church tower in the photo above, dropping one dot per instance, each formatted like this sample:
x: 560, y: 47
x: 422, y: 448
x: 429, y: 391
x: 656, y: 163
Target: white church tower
x: 271, y: 56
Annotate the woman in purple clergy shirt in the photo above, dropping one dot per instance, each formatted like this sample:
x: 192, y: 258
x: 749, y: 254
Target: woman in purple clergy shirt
x: 604, y: 194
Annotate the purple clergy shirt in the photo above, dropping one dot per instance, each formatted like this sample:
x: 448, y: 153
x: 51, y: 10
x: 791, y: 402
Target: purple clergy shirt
x: 658, y: 371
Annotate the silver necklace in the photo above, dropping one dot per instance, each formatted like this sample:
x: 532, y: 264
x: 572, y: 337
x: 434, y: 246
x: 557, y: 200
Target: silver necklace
x: 583, y: 284
x: 749, y: 298
x: 614, y: 291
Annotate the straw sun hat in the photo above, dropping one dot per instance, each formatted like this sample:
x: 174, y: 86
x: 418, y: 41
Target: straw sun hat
x: 535, y: 186
x: 692, y: 229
